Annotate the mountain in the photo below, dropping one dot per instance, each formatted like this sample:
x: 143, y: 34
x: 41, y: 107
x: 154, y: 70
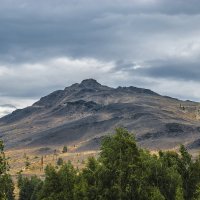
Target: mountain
x: 84, y: 113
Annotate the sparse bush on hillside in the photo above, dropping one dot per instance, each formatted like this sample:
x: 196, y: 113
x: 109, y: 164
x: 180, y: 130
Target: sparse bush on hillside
x: 65, y: 149
x: 27, y: 162
x: 60, y: 161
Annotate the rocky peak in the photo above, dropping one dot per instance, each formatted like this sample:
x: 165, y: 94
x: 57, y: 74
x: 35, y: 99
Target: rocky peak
x: 90, y: 83
x: 87, y: 85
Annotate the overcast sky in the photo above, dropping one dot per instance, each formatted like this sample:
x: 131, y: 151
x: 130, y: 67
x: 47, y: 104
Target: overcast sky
x: 49, y: 44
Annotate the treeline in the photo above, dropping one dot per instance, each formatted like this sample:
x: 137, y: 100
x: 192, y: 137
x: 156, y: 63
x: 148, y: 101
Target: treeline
x: 123, y: 171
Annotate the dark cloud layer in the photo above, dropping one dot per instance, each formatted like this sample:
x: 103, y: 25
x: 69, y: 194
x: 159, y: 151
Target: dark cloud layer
x: 147, y: 43
x: 102, y: 29
x: 186, y: 71
x: 180, y: 70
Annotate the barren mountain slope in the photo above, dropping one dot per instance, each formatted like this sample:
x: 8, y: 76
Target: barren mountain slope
x: 83, y: 113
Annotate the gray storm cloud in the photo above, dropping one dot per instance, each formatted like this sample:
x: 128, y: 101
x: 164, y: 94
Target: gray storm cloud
x: 101, y: 29
x: 146, y: 43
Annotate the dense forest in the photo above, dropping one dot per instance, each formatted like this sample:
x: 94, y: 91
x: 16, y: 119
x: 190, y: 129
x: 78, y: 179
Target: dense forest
x: 122, y: 171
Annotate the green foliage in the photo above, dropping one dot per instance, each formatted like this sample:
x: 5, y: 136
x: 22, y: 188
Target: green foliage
x: 59, y: 185
x: 122, y: 172
x: 120, y: 158
x: 60, y: 161
x: 6, y: 187
x: 65, y: 149
x: 4, y: 167
x: 28, y: 187
x: 155, y: 194
x: 179, y: 194
x: 6, y: 184
x: 88, y: 182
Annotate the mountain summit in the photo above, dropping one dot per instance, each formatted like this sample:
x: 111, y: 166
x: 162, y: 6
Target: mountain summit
x: 84, y: 112
x: 90, y: 83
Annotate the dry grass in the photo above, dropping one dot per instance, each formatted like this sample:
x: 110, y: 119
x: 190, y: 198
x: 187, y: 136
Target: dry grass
x: 17, y: 161
x: 18, y: 158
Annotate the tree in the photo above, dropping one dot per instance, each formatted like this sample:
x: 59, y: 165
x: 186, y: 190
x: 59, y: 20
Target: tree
x: 60, y: 161
x: 88, y: 180
x: 184, y: 169
x: 165, y: 174
x: 6, y: 184
x: 65, y: 149
x: 59, y: 185
x: 27, y: 187
x: 51, y: 184
x: 120, y: 158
